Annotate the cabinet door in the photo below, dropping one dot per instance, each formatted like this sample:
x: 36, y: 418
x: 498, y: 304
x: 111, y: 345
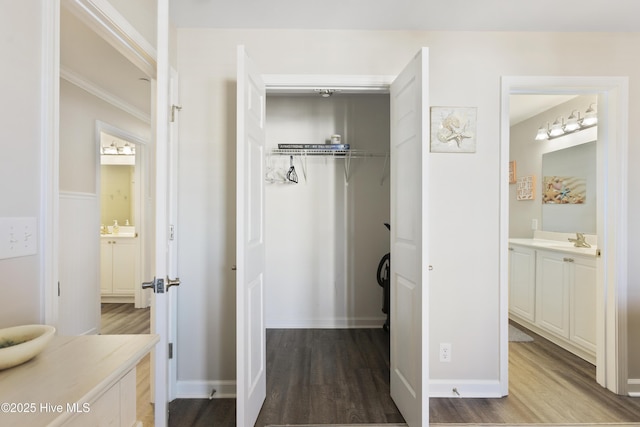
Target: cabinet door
x: 552, y: 278
x: 106, y: 261
x: 522, y: 285
x: 124, y: 270
x: 583, y: 303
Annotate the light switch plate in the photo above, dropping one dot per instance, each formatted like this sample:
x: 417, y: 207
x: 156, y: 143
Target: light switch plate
x: 18, y: 237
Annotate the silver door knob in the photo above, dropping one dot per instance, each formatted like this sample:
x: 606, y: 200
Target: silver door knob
x: 149, y: 285
x: 173, y: 282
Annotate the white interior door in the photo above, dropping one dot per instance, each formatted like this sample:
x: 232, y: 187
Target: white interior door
x: 250, y: 252
x: 160, y: 302
x: 409, y: 265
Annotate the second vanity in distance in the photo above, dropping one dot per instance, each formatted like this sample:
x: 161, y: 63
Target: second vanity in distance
x: 118, y: 266
x: 552, y: 290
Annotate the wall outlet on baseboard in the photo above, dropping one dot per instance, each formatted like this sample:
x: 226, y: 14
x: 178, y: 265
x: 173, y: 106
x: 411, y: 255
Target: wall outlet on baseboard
x: 445, y: 352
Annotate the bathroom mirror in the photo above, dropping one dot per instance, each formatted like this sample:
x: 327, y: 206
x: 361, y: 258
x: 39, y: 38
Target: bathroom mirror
x: 117, y: 180
x: 568, y: 189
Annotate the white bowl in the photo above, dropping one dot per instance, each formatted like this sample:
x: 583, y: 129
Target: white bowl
x: 29, y: 341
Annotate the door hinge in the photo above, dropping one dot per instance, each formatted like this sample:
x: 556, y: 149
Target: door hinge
x: 58, y: 288
x: 172, y: 232
x: 170, y: 350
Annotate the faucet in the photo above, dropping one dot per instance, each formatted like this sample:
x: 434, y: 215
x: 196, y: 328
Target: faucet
x: 579, y: 241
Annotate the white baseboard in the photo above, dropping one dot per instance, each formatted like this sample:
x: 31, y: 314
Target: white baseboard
x: 465, y: 388
x: 328, y: 323
x: 633, y: 387
x: 202, y: 389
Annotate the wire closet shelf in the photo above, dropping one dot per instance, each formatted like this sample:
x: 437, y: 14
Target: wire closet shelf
x: 347, y: 155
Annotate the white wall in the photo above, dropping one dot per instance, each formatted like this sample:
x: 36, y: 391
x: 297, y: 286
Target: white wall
x: 79, y: 246
x: 465, y: 70
x: 324, y: 237
x: 79, y: 159
x: 21, y: 47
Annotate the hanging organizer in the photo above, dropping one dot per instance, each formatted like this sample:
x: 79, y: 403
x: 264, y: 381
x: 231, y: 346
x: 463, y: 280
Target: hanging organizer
x: 347, y: 155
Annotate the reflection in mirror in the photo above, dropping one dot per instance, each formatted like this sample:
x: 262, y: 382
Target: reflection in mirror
x: 117, y: 180
x: 569, y: 189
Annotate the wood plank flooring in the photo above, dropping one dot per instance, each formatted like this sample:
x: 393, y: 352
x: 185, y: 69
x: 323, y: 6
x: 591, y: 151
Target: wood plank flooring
x: 306, y: 384
x: 546, y: 385
x: 341, y: 377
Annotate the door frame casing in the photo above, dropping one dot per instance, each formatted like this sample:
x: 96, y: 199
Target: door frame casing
x: 355, y: 84
x: 611, y: 310
x: 141, y: 296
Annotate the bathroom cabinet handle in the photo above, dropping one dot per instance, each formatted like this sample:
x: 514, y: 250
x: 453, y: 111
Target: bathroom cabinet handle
x: 568, y: 259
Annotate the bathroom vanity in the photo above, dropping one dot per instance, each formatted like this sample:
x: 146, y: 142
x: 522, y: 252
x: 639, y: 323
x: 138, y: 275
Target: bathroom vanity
x: 552, y: 290
x: 85, y: 380
x: 118, y: 266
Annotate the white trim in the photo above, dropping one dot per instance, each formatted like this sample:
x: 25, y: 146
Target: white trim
x: 73, y: 195
x: 465, y: 389
x: 95, y: 90
x: 328, y: 323
x: 49, y: 165
x: 118, y: 133
x: 611, y: 310
x: 202, y: 389
x: 107, y: 22
x: 300, y: 83
x: 633, y: 387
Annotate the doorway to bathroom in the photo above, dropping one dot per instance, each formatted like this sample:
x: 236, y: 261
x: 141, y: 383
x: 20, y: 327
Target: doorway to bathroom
x: 123, y: 185
x: 610, y: 289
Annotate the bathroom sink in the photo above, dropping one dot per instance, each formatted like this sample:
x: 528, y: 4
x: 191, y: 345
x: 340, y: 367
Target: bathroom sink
x: 123, y: 231
x: 20, y: 344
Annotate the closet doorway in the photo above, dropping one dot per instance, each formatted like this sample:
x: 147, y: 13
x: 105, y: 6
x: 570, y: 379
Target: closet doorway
x: 408, y: 101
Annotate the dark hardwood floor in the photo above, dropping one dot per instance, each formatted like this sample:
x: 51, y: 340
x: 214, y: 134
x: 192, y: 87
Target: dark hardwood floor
x: 312, y: 380
x: 341, y: 377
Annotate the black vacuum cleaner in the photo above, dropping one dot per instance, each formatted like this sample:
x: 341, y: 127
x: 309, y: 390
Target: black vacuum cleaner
x: 384, y: 280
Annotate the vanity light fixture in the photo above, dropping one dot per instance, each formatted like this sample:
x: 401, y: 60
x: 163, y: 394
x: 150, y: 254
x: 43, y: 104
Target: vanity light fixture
x: 573, y: 123
x: 115, y: 149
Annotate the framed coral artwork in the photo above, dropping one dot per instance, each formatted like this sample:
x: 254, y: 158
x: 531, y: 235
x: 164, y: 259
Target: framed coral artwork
x: 526, y: 188
x: 453, y: 129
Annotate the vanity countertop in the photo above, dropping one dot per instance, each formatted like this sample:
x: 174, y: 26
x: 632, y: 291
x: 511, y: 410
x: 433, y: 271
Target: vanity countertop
x: 555, y: 245
x: 118, y: 235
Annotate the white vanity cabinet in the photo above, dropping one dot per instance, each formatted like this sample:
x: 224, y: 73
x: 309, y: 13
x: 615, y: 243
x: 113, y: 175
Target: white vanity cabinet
x: 118, y: 275
x: 552, y: 296
x: 522, y: 281
x: 582, y: 297
x: 552, y: 291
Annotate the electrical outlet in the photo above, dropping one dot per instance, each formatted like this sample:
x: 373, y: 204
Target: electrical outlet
x: 534, y: 224
x: 445, y: 352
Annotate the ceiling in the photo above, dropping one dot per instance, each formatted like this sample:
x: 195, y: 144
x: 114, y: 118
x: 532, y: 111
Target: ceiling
x: 464, y: 15
x: 94, y: 61
x: 88, y: 56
